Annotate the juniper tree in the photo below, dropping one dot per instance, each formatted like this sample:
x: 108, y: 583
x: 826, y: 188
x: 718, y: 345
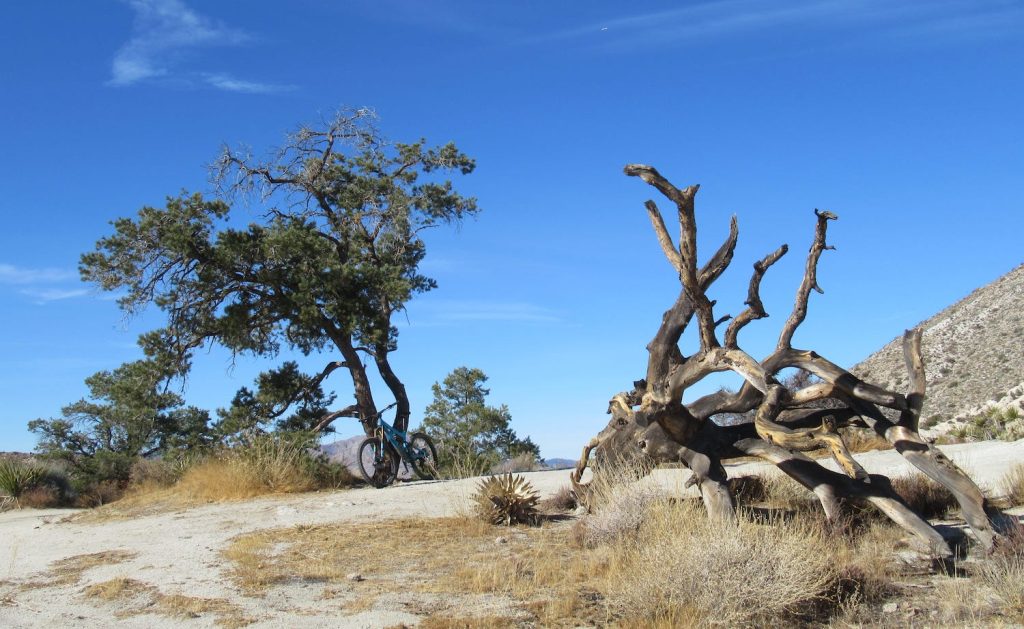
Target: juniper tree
x: 334, y: 257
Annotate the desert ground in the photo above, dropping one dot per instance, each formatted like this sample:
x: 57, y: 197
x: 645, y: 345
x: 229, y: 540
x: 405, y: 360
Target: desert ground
x: 167, y: 565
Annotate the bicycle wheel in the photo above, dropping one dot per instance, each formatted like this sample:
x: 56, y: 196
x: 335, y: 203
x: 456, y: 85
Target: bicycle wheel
x: 378, y: 462
x: 424, y: 456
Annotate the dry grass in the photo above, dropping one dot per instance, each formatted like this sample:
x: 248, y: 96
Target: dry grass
x: 271, y: 464
x: 923, y: 495
x: 864, y: 440
x: 1012, y: 485
x: 71, y: 569
x: 685, y: 567
x: 142, y: 598
x: 532, y: 574
x: 1003, y: 573
x: 561, y: 501
x: 117, y: 589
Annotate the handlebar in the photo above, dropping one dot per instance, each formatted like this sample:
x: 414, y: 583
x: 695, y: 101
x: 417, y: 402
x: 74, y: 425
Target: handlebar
x: 386, y: 408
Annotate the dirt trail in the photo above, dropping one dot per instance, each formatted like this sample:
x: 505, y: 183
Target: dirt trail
x: 179, y: 551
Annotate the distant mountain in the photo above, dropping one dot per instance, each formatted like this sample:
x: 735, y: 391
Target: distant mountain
x: 346, y: 452
x: 559, y: 464
x: 973, y: 355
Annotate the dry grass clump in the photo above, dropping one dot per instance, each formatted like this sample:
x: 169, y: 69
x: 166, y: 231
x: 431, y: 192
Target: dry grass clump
x: 923, y: 495
x: 71, y: 569
x: 1003, y: 572
x: 686, y: 568
x: 1012, y: 485
x: 783, y: 492
x: 147, y: 599
x: 268, y: 464
x: 864, y: 440
x: 506, y: 500
x: 618, y: 500
x: 562, y: 500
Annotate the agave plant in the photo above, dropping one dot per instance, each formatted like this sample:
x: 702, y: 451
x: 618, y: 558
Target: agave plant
x: 15, y: 478
x: 506, y: 499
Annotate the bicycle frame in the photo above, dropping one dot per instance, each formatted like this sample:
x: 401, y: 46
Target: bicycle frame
x: 397, y: 438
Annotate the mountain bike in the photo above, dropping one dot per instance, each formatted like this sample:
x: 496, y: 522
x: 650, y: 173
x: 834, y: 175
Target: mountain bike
x: 380, y: 455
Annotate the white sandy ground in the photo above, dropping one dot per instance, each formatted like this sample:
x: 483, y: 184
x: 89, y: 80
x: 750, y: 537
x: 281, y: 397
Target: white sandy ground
x: 179, y: 551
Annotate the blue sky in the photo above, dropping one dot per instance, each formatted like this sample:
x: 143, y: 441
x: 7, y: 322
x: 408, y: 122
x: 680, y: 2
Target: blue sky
x: 901, y: 117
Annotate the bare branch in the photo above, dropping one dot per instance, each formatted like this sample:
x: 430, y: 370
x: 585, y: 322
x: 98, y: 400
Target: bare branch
x: 326, y: 420
x: 664, y: 239
x: 755, y: 309
x: 810, y: 281
x: 914, y: 359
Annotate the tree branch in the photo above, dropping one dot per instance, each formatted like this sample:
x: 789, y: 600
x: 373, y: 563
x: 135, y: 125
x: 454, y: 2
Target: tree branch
x: 810, y: 281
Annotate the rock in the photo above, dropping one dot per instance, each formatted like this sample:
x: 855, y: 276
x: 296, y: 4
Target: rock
x: 501, y: 540
x: 890, y: 608
x: 354, y: 576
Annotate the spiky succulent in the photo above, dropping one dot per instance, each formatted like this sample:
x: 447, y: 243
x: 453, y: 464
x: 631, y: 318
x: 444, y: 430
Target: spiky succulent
x: 506, y: 499
x: 16, y: 478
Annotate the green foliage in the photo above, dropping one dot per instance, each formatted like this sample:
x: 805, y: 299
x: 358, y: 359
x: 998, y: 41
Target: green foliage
x: 129, y: 414
x: 17, y: 477
x: 506, y: 500
x: 277, y: 391
x: 31, y: 484
x: 471, y: 437
x: 336, y: 255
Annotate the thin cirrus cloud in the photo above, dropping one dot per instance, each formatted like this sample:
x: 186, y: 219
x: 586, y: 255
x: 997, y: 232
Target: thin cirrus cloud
x: 10, y: 274
x: 42, y: 285
x: 452, y: 311
x: 165, y: 33
x: 915, y: 20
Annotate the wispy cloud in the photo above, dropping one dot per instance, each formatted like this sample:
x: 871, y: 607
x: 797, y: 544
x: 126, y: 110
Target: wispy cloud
x: 40, y: 285
x: 721, y: 20
x: 459, y: 311
x: 231, y: 84
x: 10, y: 274
x: 165, y: 33
x: 46, y: 295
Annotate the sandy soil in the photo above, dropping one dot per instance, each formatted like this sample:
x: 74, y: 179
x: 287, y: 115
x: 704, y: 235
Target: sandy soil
x: 179, y: 551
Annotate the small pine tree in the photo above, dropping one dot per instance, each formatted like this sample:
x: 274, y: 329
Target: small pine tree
x: 471, y: 436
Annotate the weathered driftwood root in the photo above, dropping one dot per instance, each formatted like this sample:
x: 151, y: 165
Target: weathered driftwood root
x: 652, y: 418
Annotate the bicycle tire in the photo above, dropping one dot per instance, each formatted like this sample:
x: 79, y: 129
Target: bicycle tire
x: 426, y: 467
x: 378, y: 463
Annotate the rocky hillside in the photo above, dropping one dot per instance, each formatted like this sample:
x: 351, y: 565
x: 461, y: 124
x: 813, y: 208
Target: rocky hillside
x: 973, y: 356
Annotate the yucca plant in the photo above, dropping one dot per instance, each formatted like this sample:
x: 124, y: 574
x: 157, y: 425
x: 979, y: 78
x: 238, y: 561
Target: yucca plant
x: 16, y: 478
x: 506, y: 499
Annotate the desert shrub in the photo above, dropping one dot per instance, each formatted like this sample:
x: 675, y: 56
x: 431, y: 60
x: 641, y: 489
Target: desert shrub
x: 681, y: 565
x: 923, y: 495
x: 262, y: 464
x: 525, y: 462
x: 16, y: 477
x: 99, y: 493
x: 748, y: 489
x: 1012, y: 484
x: 507, y: 500
x: 31, y: 484
x: 864, y: 440
x: 42, y: 497
x: 562, y: 500
x: 618, y: 501
x: 158, y: 473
